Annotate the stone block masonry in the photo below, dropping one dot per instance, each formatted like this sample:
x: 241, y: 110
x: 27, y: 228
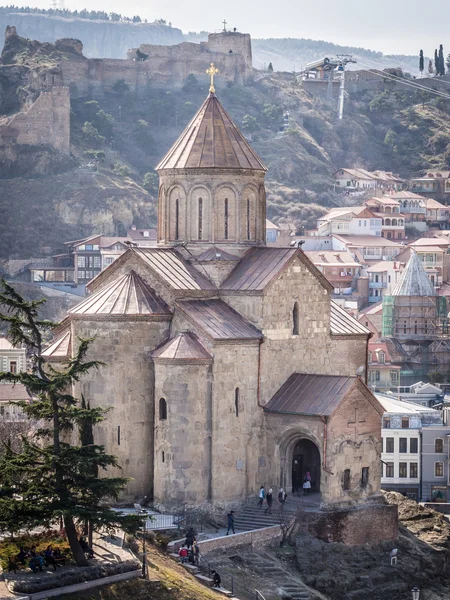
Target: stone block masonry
x: 46, y: 122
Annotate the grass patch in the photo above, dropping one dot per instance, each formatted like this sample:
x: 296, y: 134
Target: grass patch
x: 40, y: 541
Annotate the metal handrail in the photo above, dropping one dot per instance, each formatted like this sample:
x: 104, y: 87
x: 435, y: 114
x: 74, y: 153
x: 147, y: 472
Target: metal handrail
x: 259, y: 596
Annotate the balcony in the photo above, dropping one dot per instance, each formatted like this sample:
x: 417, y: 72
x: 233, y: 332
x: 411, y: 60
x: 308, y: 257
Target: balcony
x: 378, y: 285
x: 411, y: 210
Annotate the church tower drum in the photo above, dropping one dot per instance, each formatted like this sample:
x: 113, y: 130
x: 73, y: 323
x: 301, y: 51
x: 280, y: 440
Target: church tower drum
x: 211, y: 185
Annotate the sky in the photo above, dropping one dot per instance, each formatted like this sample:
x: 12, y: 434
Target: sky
x: 389, y: 26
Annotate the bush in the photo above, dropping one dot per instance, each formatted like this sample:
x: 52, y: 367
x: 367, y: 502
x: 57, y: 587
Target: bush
x: 92, y: 135
x: 122, y: 170
x: 41, y: 541
x: 143, y: 136
x: 151, y: 182
x: 95, y: 154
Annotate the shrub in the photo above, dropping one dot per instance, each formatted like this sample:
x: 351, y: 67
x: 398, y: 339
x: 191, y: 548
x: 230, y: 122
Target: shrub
x: 96, y: 154
x: 92, y: 135
x: 151, y: 182
x: 122, y: 170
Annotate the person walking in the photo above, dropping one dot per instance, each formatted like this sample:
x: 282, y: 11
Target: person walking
x: 281, y: 497
x: 190, y: 537
x: 217, y: 580
x: 230, y: 517
x: 307, y: 483
x: 196, y: 550
x: 269, y: 500
x: 261, y: 495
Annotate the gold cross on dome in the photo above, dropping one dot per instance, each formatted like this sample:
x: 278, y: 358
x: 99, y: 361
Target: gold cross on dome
x: 212, y: 71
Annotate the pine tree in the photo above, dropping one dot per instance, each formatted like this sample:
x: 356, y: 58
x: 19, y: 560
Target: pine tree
x: 430, y: 67
x: 270, y: 68
x: 49, y: 479
x: 421, y: 65
x: 447, y: 62
x: 441, y: 60
x: 437, y: 66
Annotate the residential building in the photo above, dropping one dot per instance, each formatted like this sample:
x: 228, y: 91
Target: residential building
x: 425, y: 394
x: 383, y: 276
x: 414, y: 208
x: 360, y: 179
x: 10, y: 394
x: 383, y: 374
x: 357, y: 220
x: 434, y: 184
x: 272, y: 232
x: 437, y: 214
x: 367, y: 248
x: 372, y: 318
x: 340, y: 268
x: 434, y: 256
x: 12, y: 359
x: 414, y: 463
x: 144, y: 238
x: 388, y: 210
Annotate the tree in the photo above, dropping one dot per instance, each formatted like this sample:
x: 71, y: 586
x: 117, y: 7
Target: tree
x: 441, y: 60
x: 270, y: 68
x: 122, y: 170
x: 143, y: 136
x: 151, y: 182
x: 272, y: 115
x: 430, y: 67
x: 120, y: 88
x: 92, y: 135
x: 421, y: 65
x: 437, y: 67
x: 250, y: 124
x: 436, y: 376
x: 49, y: 479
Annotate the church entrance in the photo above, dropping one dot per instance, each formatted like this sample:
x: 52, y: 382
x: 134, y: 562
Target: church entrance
x: 305, y: 459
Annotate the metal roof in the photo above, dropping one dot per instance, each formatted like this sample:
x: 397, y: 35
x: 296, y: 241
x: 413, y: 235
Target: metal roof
x: 127, y: 295
x: 185, y: 346
x: 310, y: 394
x: 218, y: 320
x: 257, y: 268
x: 13, y: 392
x: 174, y: 269
x: 214, y: 253
x: 211, y: 140
x: 342, y: 323
x: 59, y: 348
x: 414, y: 281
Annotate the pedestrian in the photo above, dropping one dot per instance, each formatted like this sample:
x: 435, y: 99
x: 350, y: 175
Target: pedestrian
x: 196, y: 550
x: 307, y: 483
x: 230, y: 517
x: 183, y: 554
x: 282, y: 497
x: 269, y: 499
x: 261, y: 495
x: 22, y: 555
x: 36, y: 563
x: 217, y: 580
x: 190, y: 537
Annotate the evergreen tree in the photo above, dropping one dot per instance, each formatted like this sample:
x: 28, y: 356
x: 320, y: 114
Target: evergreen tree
x: 49, y: 479
x: 430, y: 67
x: 421, y: 65
x: 441, y: 60
x: 270, y: 68
x: 437, y: 66
x: 447, y: 62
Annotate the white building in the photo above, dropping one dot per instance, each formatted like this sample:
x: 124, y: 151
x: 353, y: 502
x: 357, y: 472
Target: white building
x: 360, y: 179
x: 11, y: 359
x: 357, y: 220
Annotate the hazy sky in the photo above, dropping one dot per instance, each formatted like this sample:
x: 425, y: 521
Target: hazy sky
x: 392, y: 26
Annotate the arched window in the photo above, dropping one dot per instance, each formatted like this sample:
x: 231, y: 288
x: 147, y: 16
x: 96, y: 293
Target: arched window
x: 177, y: 219
x: 248, y: 218
x: 225, y: 219
x: 200, y: 218
x: 163, y: 456
x: 387, y: 221
x: 394, y: 222
x: 415, y: 327
x: 162, y: 409
x: 295, y: 319
x: 404, y: 326
x: 400, y: 222
x: 426, y: 326
x: 236, y: 401
x: 346, y: 480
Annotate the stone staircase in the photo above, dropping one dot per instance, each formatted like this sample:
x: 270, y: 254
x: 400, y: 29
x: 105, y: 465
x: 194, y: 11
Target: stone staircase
x: 288, y: 587
x: 252, y: 516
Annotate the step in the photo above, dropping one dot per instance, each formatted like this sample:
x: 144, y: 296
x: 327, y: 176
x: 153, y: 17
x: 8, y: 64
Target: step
x: 175, y: 556
x: 191, y: 568
x: 205, y: 580
x: 223, y: 591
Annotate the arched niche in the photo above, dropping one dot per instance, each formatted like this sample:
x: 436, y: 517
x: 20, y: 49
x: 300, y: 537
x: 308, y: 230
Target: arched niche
x: 249, y: 214
x: 200, y: 214
x: 176, y: 214
x: 225, y: 214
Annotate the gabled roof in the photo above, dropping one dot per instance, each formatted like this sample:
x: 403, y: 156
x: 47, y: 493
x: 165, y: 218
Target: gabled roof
x: 429, y: 241
x: 184, y: 346
x: 259, y: 266
x: 432, y: 204
x: 211, y: 141
x: 342, y: 323
x: 213, y: 253
x: 60, y: 348
x: 218, y: 320
x: 128, y: 295
x: 365, y: 240
x: 407, y: 195
x: 340, y: 258
x: 5, y: 344
x: 311, y: 395
x: 414, y: 281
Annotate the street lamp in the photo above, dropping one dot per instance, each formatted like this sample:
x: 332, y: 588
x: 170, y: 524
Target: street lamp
x: 144, y: 554
x: 415, y: 593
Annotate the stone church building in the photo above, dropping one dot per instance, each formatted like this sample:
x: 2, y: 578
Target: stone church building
x: 227, y: 364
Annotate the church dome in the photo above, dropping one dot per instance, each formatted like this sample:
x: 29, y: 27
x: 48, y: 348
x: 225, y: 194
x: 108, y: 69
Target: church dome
x: 211, y: 141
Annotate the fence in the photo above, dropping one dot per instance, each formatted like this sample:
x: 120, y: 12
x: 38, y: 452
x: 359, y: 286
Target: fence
x: 179, y: 518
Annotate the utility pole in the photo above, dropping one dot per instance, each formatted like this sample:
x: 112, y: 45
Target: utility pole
x: 344, y: 59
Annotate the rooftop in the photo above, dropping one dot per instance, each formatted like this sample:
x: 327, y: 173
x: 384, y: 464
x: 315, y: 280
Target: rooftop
x: 406, y: 195
x: 5, y: 344
x: 331, y: 258
x: 367, y: 240
x: 392, y: 405
x: 13, y: 392
x: 414, y: 281
x: 429, y: 241
x: 342, y: 323
x: 60, y: 348
x: 184, y: 346
x: 211, y: 141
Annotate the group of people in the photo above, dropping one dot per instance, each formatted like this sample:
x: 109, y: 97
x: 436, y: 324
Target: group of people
x: 268, y: 497
x: 190, y: 550
x: 37, y: 561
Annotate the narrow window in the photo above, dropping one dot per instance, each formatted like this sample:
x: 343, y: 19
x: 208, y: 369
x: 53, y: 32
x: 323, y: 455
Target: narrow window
x: 162, y: 409
x: 415, y: 327
x: 439, y: 445
x: 118, y: 435
x: 403, y: 445
x: 426, y: 326
x: 439, y: 469
x: 248, y: 219
x: 404, y: 326
x: 200, y: 218
x: 346, y: 482
x: 403, y: 470
x: 236, y: 401
x: 177, y: 219
x: 226, y: 219
x: 386, y: 422
x: 390, y: 445
x: 390, y: 469
x: 413, y: 446
x: 163, y: 456
x: 405, y: 423
x: 364, y: 477
x: 295, y: 318
x: 13, y: 366
x: 413, y: 470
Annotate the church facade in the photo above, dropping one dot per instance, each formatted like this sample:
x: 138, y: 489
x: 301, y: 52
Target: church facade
x: 227, y: 365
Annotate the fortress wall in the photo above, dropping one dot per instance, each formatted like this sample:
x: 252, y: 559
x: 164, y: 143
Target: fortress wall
x: 47, y: 121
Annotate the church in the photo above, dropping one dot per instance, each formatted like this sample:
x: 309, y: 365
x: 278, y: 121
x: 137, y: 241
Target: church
x: 227, y: 364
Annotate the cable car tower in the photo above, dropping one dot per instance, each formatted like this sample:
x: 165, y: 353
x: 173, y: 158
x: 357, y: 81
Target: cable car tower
x: 343, y: 60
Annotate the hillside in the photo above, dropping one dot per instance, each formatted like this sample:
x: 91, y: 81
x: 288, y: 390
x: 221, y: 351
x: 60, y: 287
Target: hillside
x: 108, y: 182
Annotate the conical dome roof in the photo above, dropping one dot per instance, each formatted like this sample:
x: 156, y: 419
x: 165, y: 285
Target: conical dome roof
x: 211, y: 141
x: 128, y: 295
x: 414, y: 280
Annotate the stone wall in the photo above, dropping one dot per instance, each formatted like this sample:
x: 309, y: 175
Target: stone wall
x: 126, y: 386
x: 46, y: 122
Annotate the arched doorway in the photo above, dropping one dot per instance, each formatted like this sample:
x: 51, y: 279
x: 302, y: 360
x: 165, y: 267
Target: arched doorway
x: 305, y: 458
